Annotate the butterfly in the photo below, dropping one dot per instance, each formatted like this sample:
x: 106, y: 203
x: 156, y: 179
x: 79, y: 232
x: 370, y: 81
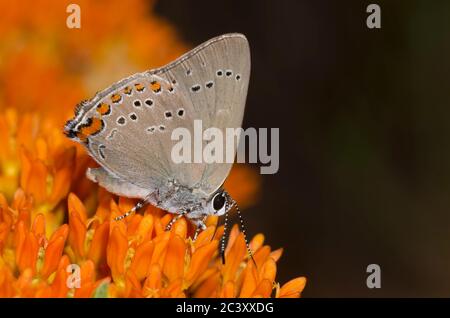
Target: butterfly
x: 127, y: 129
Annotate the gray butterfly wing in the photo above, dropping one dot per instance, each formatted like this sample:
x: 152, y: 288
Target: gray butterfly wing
x: 127, y: 127
x: 214, y: 78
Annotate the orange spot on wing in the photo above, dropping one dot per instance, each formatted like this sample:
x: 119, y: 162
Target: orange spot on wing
x: 103, y: 109
x: 92, y: 127
x: 155, y: 86
x: 116, y: 98
x: 127, y: 90
x: 139, y: 87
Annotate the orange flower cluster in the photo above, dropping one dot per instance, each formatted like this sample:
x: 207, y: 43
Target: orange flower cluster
x: 134, y: 257
x: 47, y: 67
x: 57, y: 233
x: 38, y: 158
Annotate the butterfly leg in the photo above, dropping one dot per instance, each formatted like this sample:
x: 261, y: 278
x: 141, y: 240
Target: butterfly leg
x: 176, y: 218
x: 200, y: 226
x: 138, y: 205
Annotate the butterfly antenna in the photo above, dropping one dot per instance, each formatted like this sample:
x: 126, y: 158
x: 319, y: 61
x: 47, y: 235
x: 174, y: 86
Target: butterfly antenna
x: 222, y: 243
x: 241, y: 223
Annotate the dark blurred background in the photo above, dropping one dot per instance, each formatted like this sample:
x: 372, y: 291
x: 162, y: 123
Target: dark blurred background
x: 364, y: 136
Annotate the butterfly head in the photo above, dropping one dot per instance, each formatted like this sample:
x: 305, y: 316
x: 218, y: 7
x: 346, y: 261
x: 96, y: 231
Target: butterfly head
x: 219, y: 203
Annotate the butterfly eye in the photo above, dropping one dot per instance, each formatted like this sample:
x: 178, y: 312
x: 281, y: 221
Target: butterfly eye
x: 218, y: 203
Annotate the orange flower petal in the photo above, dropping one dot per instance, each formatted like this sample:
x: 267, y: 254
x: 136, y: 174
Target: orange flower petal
x: 209, y: 287
x: 63, y: 231
x: 45, y: 292
x: 87, y: 272
x: 74, y: 204
x: 4, y: 231
x: 257, y: 242
x: 200, y: 261
x: 233, y: 258
x: 261, y: 255
x: 53, y: 254
x: 97, y: 250
x: 133, y: 287
x: 5, y: 214
x: 268, y: 270
x: 212, y: 220
x: 145, y: 229
x: 41, y: 149
x: 27, y: 257
x: 204, y: 237
x: 63, y: 262
x: 87, y: 279
x: 219, y: 233
x: 103, y: 211
x: 141, y: 261
x: 116, y: 253
x: 173, y: 290
x: 228, y: 290
x: 21, y: 200
x: 203, y: 277
x: 133, y: 224
x: 264, y: 289
x: 276, y: 254
x: 165, y: 220
x: 85, y: 291
x: 25, y: 162
x: 250, y: 280
x: 39, y: 225
x: 293, y: 288
x: 63, y: 175
x: 159, y: 227
x: 153, y: 282
x: 19, y: 237
x: 24, y: 282
x: 77, y: 233
x: 115, y: 212
x: 59, y: 287
x: 232, y: 237
x: 180, y: 228
x: 159, y: 252
x: 174, y: 261
x: 34, y: 181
